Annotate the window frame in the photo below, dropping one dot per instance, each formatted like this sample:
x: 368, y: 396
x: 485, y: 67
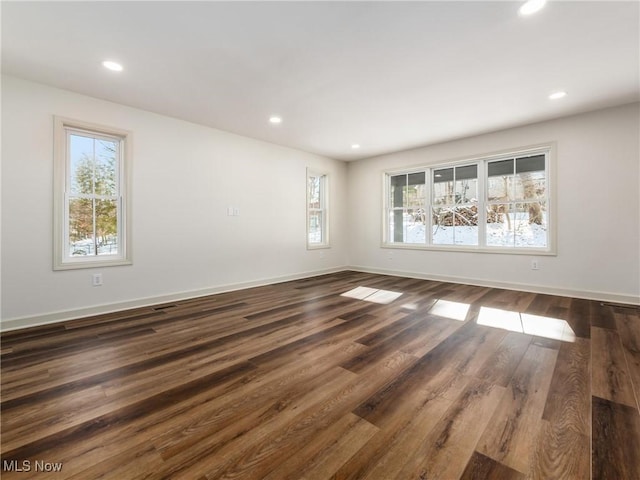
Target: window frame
x: 63, y: 127
x: 324, y: 209
x: 549, y: 151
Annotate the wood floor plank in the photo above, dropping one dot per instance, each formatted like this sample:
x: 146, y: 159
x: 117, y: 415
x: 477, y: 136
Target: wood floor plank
x: 616, y: 441
x: 559, y: 452
x: 602, y: 316
x: 296, y: 380
x: 628, y: 325
x: 454, y: 436
x: 511, y: 432
x: 480, y: 466
x: 568, y: 404
x: 499, y: 367
x: 326, y: 452
x: 412, y: 419
x: 610, y: 378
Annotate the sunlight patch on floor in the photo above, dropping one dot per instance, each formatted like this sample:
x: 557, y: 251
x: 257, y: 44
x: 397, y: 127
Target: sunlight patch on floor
x: 547, y: 327
x: 373, y: 295
x: 453, y: 310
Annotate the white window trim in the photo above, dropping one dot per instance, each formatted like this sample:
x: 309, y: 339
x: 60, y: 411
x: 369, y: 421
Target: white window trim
x: 324, y: 197
x: 61, y: 261
x: 549, y: 149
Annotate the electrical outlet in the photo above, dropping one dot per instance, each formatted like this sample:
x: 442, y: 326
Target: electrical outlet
x: 535, y: 265
x: 96, y: 280
x: 236, y: 212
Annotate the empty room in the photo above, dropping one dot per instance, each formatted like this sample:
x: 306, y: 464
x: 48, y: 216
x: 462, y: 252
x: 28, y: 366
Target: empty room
x: 320, y: 240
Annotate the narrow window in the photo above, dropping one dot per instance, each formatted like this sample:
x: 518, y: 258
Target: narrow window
x: 91, y: 201
x: 317, y: 210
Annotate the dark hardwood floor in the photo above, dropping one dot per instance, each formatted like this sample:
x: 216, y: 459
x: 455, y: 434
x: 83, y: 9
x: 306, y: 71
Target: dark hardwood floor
x: 343, y: 376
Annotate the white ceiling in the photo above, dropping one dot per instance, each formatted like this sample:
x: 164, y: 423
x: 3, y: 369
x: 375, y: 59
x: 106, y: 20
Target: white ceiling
x: 386, y: 75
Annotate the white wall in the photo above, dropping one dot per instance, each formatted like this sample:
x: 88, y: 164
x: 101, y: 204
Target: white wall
x: 598, y: 232
x: 184, y: 177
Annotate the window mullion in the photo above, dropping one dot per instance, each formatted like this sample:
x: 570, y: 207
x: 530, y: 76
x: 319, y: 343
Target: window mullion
x: 482, y: 203
x: 428, y: 200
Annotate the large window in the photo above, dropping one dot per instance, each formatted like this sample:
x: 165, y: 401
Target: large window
x: 499, y: 203
x: 317, y: 210
x: 91, y: 213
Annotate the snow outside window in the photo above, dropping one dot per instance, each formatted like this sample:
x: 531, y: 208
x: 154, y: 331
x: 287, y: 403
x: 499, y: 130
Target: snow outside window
x: 317, y: 210
x: 90, y: 196
x: 498, y: 204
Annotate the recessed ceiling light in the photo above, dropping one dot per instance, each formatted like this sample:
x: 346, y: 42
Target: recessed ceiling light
x: 557, y: 95
x: 355, y: 146
x: 275, y: 120
x: 111, y: 65
x: 532, y: 6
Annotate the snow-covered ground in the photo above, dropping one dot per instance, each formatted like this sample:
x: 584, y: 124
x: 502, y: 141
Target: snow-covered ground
x: 498, y: 234
x: 86, y: 247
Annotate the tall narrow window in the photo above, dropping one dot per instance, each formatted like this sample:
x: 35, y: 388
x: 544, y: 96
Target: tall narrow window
x: 317, y: 210
x: 90, y: 196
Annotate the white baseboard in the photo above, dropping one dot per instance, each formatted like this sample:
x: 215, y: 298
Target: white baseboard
x: 562, y: 292
x: 65, y: 315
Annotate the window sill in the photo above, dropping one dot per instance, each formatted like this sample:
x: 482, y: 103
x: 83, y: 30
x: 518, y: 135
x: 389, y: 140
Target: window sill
x: 318, y: 246
x: 472, y: 249
x: 76, y: 265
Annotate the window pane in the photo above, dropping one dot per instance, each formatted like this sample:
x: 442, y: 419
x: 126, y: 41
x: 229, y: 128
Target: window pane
x: 500, y: 167
x: 455, y: 225
x: 93, y: 227
x: 315, y: 227
x: 443, y: 187
x: 92, y: 165
x: 416, y: 178
x: 407, y: 215
x: 530, y: 185
x: 82, y: 164
x: 500, y: 188
x: 313, y: 185
x: 465, y: 235
x: 105, y: 167
x: 81, y: 227
x: 534, y: 163
x: 398, y: 184
x: 499, y: 227
x: 442, y: 227
x: 406, y: 227
x: 466, y: 188
x: 530, y: 225
x: 396, y: 225
x: 107, y: 227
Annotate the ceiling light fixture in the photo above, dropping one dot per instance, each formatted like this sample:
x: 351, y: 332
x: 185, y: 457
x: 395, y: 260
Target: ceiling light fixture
x: 531, y: 7
x: 275, y: 120
x: 355, y: 146
x: 557, y: 95
x: 113, y: 66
